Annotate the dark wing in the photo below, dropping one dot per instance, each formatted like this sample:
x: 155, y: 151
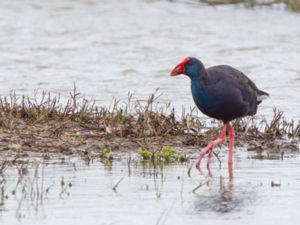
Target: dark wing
x: 227, y: 72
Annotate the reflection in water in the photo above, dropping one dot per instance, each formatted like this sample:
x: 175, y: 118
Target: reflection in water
x: 156, y: 171
x: 221, y: 198
x: 158, y: 194
x: 33, y: 184
x: 27, y: 188
x: 209, y: 173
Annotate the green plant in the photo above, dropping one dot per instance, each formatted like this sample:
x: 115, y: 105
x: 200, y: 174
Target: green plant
x: 106, y: 154
x: 145, y: 153
x: 166, y: 154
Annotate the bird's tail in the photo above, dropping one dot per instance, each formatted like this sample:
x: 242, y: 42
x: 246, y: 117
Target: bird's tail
x: 261, y: 95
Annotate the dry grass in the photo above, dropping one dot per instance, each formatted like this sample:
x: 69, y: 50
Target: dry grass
x: 292, y: 5
x: 45, y: 125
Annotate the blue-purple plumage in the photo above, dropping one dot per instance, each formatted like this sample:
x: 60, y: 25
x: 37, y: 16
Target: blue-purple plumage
x: 222, y: 92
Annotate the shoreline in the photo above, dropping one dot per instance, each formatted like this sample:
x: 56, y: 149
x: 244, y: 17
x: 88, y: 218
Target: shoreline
x: 80, y: 128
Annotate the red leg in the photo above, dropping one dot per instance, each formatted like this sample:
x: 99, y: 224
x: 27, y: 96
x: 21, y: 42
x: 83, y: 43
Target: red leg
x: 231, y: 142
x: 210, y: 146
x: 231, y: 146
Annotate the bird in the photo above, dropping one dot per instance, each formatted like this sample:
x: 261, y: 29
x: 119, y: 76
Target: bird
x: 221, y: 92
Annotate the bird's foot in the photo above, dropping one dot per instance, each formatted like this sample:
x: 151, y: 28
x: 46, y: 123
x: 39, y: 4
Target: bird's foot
x: 208, y: 150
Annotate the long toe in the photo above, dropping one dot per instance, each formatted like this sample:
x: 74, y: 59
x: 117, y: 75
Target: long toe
x: 209, y: 159
x: 198, y: 162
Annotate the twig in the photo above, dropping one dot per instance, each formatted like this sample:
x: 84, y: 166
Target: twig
x: 196, y: 188
x: 217, y: 156
x: 117, y: 184
x: 200, y: 185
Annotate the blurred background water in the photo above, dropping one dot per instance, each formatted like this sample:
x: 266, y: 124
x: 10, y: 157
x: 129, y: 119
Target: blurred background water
x: 109, y: 48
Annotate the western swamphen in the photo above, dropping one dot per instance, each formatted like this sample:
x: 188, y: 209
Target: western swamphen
x: 221, y: 92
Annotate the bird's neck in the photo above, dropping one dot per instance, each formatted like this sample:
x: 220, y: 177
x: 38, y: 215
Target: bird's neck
x: 196, y: 85
x: 201, y: 95
x: 199, y: 80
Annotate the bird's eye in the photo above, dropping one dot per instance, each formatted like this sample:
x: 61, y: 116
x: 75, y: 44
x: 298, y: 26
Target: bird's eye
x: 189, y: 63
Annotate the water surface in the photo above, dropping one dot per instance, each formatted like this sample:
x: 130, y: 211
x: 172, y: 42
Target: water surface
x: 111, y: 47
x: 72, y: 192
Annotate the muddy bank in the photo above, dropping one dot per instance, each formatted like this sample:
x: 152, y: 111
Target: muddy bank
x: 45, y: 127
x: 76, y: 138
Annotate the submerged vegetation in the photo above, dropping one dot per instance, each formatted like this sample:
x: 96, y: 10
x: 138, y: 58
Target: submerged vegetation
x: 166, y: 154
x: 106, y: 154
x: 43, y: 125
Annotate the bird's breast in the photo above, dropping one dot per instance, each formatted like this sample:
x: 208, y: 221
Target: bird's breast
x: 203, y: 99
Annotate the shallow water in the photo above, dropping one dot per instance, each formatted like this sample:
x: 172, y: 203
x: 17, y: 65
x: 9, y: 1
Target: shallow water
x: 158, y: 195
x: 111, y: 47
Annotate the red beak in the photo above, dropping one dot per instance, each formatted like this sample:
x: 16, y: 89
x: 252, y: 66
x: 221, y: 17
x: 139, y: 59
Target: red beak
x: 179, y: 69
